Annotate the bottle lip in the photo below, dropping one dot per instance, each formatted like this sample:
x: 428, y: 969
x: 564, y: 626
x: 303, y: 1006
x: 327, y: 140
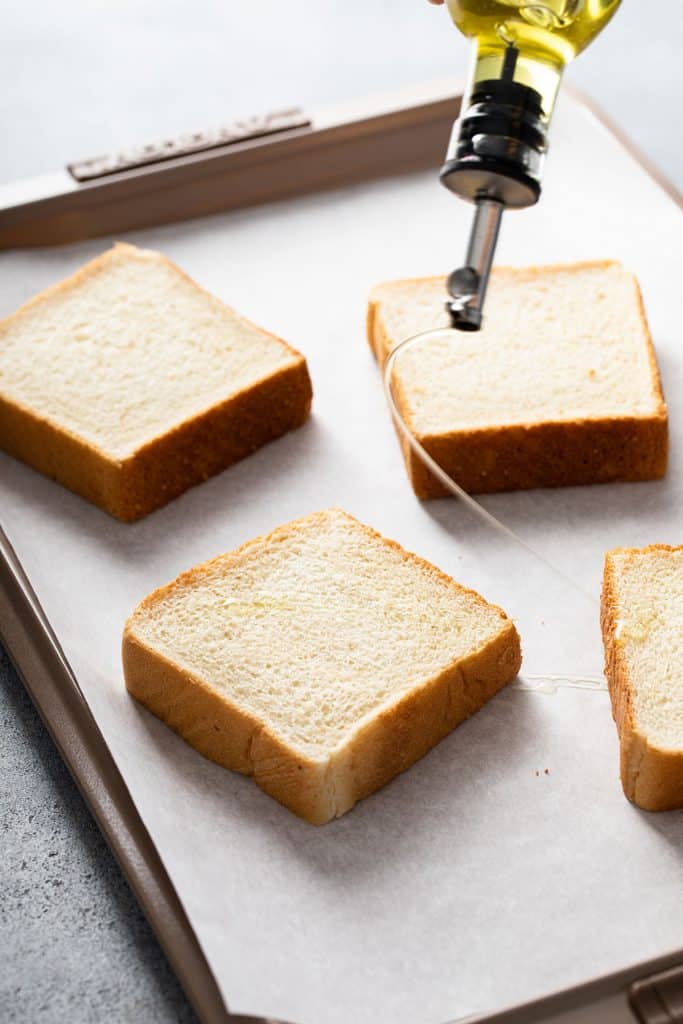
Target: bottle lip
x: 482, y: 178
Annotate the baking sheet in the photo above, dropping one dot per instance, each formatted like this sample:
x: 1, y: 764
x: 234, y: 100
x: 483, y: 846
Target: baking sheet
x: 471, y: 881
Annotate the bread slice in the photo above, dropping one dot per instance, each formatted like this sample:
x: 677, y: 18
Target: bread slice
x: 642, y: 629
x: 559, y: 387
x: 320, y: 659
x: 128, y: 383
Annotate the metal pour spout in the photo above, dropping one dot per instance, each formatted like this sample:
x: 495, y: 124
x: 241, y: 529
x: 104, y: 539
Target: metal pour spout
x: 494, y: 160
x: 467, y: 285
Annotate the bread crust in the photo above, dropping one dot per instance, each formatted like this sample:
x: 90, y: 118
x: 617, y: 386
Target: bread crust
x: 383, y: 744
x: 521, y: 457
x: 524, y: 456
x: 652, y: 777
x: 167, y: 465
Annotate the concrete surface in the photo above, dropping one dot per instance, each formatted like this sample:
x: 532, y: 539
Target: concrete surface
x: 74, y: 945
x: 84, y: 76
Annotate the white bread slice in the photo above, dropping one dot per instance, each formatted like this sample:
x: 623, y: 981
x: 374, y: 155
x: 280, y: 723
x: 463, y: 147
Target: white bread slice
x: 642, y: 629
x: 320, y: 659
x: 128, y: 383
x: 559, y: 387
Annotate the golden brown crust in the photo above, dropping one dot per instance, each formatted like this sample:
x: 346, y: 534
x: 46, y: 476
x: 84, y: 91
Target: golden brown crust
x: 224, y: 733
x: 214, y: 440
x: 400, y: 734
x: 167, y: 465
x: 651, y: 777
x: 524, y: 456
x: 59, y: 455
x: 518, y: 457
x: 386, y: 743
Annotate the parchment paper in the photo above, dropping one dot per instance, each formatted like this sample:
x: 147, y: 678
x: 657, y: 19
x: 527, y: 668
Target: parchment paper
x: 475, y: 879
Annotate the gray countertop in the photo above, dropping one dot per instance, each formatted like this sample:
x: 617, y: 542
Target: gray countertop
x: 85, y: 77
x: 74, y: 945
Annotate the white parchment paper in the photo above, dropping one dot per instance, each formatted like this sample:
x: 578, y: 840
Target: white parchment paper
x: 476, y: 879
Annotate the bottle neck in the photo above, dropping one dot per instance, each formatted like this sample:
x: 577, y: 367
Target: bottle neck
x: 498, y: 144
x: 508, y: 61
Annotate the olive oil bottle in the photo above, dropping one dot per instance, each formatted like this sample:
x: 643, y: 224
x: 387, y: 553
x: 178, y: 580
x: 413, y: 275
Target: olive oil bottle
x: 497, y: 149
x: 546, y: 35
